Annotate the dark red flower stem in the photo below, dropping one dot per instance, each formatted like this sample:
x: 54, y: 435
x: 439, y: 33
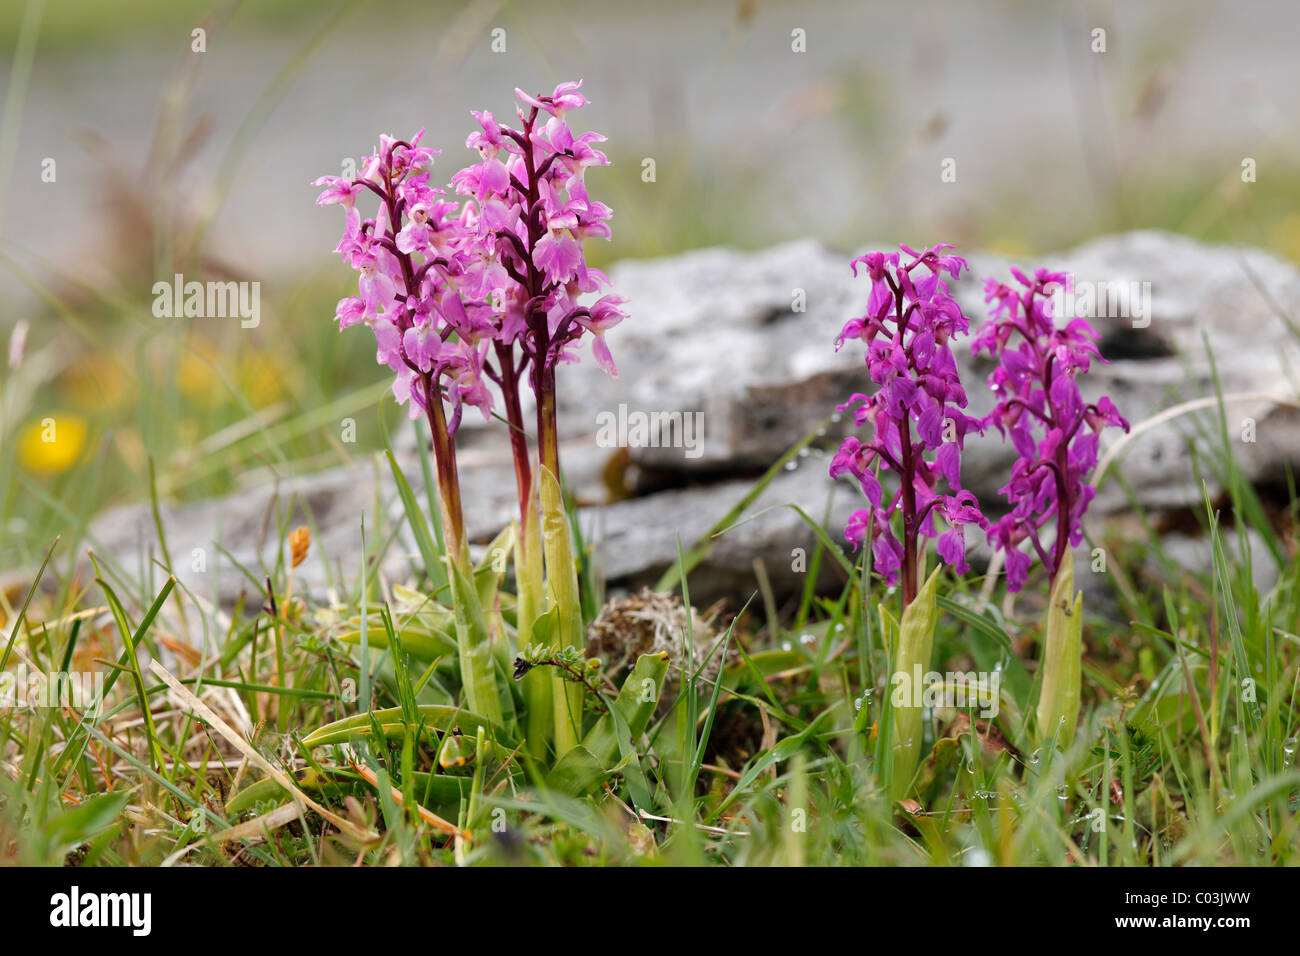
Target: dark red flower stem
x: 444, y: 448
x: 509, y: 382
x: 906, y: 473
x: 1061, y: 459
x: 444, y: 455
x: 909, y: 519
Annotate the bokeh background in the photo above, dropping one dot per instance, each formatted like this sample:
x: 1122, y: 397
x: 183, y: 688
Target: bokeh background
x: 169, y: 160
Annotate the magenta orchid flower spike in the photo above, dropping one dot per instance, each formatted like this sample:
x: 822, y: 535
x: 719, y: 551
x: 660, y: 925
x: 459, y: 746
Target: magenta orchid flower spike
x: 918, y: 428
x: 460, y: 295
x: 430, y: 327
x: 409, y: 292
x: 529, y: 213
x: 1040, y: 410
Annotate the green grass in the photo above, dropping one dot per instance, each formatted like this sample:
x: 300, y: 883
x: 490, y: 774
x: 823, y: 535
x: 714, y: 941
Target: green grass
x: 1185, y: 753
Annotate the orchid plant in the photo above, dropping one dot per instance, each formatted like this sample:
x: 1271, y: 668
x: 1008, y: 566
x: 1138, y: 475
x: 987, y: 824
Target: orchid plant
x: 1055, y: 433
x: 918, y: 432
x: 532, y: 214
x: 485, y: 291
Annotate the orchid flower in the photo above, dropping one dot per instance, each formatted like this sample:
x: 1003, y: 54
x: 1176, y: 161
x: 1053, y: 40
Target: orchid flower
x: 918, y: 428
x: 1039, y: 409
x: 1055, y: 432
x: 429, y: 325
x: 528, y: 215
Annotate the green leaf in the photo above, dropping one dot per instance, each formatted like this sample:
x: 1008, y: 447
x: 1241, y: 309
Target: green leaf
x: 578, y: 773
x: 435, y: 717
x: 477, y: 669
x: 636, y: 703
x: 426, y: 644
x: 784, y: 749
x: 76, y: 826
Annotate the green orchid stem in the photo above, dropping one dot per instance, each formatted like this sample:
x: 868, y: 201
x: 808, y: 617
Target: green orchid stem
x: 518, y: 436
x: 915, y: 640
x: 562, y: 578
x: 1058, y: 701
x: 536, y: 686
